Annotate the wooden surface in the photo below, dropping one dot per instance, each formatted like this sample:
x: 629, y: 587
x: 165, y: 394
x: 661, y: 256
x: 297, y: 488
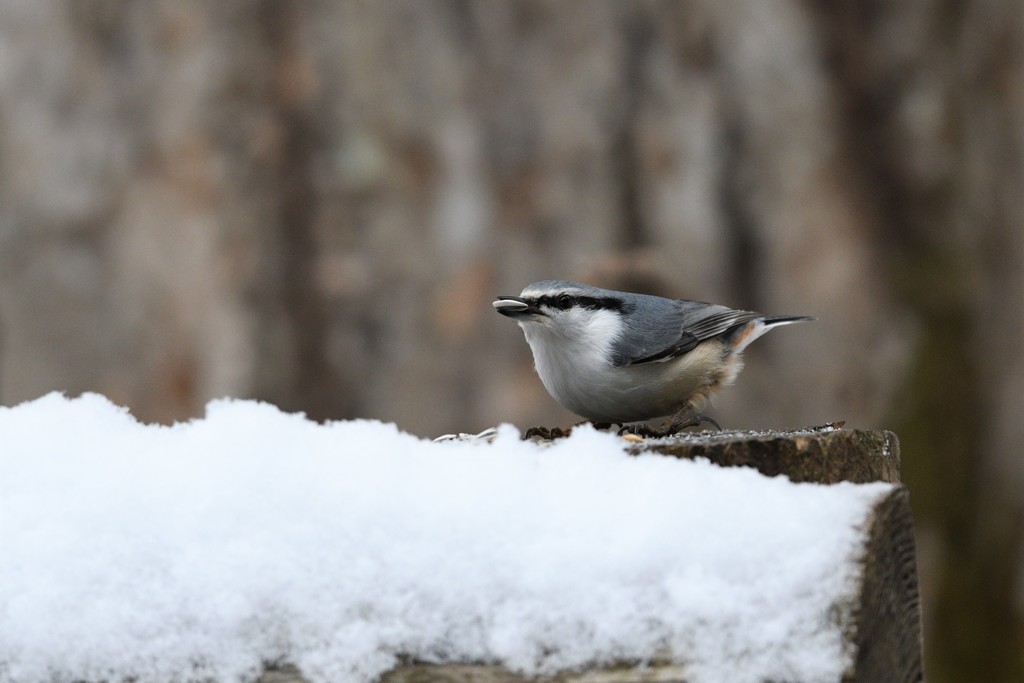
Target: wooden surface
x: 888, y: 618
x: 821, y: 455
x: 462, y: 673
x: 489, y: 673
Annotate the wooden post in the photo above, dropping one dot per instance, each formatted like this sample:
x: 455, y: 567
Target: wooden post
x: 818, y: 455
x: 884, y: 635
x: 888, y: 619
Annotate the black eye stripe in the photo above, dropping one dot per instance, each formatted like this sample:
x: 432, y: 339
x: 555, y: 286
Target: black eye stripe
x: 593, y: 303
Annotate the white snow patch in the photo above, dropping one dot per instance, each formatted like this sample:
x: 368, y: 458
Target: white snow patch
x: 203, y: 550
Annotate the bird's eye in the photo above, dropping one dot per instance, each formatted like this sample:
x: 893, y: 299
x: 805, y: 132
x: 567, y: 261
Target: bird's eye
x: 565, y: 301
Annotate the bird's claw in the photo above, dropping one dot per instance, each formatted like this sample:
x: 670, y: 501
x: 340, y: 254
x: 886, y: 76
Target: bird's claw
x: 698, y: 420
x: 639, y: 429
x: 546, y: 433
x: 669, y: 428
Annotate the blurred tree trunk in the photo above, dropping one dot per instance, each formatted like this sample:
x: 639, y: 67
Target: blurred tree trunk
x: 935, y: 120
x: 313, y: 204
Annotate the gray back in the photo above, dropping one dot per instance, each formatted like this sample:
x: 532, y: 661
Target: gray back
x: 659, y: 329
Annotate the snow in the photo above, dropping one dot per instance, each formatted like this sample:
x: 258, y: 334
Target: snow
x: 206, y: 549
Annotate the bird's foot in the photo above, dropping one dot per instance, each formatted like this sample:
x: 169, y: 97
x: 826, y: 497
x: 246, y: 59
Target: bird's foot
x: 547, y: 433
x: 639, y: 429
x: 673, y: 426
x: 693, y: 421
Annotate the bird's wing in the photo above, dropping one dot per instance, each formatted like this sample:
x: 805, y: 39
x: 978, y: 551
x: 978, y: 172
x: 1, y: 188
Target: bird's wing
x: 665, y: 328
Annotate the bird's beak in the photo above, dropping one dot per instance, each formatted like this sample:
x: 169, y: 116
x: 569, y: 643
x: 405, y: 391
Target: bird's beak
x: 514, y: 307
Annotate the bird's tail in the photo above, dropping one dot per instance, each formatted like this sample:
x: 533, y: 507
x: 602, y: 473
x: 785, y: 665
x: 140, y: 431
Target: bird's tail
x: 773, y: 320
x: 759, y: 326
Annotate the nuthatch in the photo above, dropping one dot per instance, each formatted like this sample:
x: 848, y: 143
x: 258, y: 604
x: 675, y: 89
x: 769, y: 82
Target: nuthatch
x: 618, y: 357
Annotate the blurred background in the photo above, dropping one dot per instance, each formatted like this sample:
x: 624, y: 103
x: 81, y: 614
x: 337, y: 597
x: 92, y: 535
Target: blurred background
x: 313, y: 204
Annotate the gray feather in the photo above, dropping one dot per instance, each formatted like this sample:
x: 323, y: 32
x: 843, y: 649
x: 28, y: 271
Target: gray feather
x: 666, y: 328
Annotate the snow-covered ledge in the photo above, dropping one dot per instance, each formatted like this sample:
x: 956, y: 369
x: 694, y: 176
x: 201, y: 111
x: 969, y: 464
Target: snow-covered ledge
x: 254, y: 544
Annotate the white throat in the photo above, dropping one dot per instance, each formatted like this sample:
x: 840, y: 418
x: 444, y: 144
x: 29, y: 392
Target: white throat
x: 569, y: 353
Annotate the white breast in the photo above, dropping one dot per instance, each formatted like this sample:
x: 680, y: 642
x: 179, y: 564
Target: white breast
x: 572, y: 360
x: 571, y: 356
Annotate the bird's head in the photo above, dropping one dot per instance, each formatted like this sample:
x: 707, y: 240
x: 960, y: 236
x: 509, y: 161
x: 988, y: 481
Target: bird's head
x: 564, y: 307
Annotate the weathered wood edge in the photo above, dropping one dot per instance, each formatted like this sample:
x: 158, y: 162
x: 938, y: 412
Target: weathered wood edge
x: 823, y: 456
x: 493, y: 673
x: 486, y: 673
x: 888, y: 638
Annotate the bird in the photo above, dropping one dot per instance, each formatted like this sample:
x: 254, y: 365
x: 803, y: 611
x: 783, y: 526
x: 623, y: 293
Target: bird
x: 618, y: 357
